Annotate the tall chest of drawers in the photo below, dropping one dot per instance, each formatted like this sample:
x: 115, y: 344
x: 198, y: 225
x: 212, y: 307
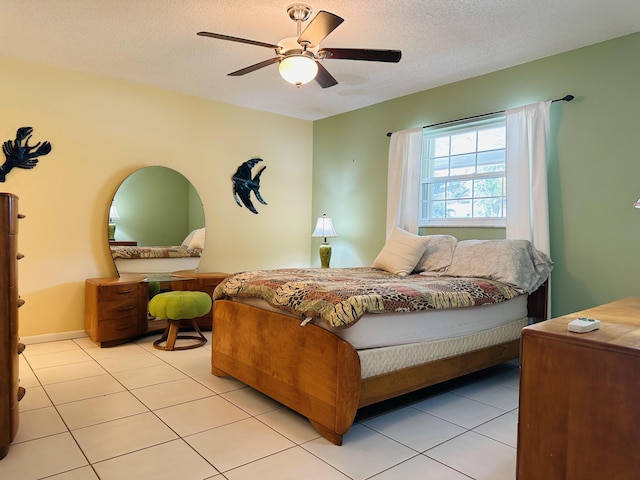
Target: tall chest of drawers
x: 10, y: 348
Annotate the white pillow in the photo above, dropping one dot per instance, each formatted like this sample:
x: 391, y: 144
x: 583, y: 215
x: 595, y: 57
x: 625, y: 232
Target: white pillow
x: 198, y: 239
x: 187, y: 240
x: 437, y: 256
x: 401, y: 252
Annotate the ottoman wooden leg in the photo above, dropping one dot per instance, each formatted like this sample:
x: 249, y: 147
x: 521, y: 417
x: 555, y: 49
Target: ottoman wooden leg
x: 201, y: 339
x: 169, y: 336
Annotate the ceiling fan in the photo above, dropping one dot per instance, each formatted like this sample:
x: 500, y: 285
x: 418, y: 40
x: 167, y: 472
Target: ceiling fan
x: 300, y: 57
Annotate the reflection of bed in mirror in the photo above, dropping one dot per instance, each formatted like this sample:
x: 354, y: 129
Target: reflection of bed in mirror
x: 132, y: 259
x: 160, y: 224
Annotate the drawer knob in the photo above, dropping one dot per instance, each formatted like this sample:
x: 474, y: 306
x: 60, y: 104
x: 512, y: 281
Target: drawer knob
x: 21, y: 302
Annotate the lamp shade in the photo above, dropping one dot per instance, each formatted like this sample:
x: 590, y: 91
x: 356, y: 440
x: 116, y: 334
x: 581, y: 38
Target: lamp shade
x: 637, y: 204
x: 113, y: 213
x: 298, y: 69
x: 324, y: 228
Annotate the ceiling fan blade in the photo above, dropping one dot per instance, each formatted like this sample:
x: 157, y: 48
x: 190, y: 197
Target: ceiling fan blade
x: 237, y: 39
x: 362, y: 54
x: 253, y: 68
x: 322, y: 25
x: 324, y: 78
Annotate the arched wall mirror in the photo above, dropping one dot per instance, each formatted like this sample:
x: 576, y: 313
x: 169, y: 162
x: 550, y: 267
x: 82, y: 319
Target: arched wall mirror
x: 156, y: 223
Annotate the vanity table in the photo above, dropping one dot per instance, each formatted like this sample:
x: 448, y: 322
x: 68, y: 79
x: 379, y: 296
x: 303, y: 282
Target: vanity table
x: 116, y: 308
x: 155, y: 203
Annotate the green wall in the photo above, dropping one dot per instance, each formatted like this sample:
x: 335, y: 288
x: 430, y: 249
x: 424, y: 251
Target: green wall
x: 593, y: 165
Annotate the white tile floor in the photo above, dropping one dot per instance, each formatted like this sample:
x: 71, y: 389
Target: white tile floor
x: 133, y: 412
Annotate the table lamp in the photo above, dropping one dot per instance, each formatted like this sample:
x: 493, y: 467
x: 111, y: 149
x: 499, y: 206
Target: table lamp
x: 113, y: 215
x: 324, y: 229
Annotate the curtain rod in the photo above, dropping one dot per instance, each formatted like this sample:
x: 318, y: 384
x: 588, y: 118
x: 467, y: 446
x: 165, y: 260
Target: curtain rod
x: 566, y: 98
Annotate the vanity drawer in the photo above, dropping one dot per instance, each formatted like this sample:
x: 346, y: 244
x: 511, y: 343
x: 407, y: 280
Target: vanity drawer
x: 121, y: 308
x: 120, y: 292
x: 117, y: 329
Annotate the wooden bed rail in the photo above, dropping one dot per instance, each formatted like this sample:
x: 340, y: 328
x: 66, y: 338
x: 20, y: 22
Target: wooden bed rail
x: 537, y: 303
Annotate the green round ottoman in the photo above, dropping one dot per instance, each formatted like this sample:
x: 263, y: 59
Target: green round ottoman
x: 174, y: 307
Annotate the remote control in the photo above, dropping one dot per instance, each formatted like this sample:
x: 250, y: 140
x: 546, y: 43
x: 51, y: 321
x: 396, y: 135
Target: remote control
x: 583, y: 325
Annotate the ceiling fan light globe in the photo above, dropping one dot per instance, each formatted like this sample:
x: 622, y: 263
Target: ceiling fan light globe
x: 298, y: 69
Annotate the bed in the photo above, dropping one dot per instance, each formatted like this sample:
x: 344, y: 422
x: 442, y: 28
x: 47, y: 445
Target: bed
x: 159, y: 259
x: 289, y: 332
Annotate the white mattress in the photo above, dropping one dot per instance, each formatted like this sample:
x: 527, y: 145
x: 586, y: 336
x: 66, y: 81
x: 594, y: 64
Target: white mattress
x: 388, y: 329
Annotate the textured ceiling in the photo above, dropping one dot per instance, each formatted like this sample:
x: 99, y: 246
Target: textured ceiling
x: 154, y: 42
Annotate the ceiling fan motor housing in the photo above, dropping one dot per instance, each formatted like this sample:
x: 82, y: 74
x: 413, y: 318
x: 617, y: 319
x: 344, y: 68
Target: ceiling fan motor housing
x: 290, y: 46
x: 299, y: 12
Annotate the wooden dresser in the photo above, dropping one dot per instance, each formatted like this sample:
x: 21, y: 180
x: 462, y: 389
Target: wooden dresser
x: 10, y: 348
x: 579, y: 413
x: 116, y: 308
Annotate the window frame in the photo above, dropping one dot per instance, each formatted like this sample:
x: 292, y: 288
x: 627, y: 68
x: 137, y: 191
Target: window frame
x: 488, y: 121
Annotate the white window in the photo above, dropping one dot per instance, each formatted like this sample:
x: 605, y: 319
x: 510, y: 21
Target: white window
x: 463, y: 174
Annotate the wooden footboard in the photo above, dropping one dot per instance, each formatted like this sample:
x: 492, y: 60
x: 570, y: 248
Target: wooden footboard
x: 308, y: 369
x: 317, y: 374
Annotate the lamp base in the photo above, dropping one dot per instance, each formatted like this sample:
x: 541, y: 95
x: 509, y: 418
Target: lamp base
x: 112, y: 231
x: 325, y: 255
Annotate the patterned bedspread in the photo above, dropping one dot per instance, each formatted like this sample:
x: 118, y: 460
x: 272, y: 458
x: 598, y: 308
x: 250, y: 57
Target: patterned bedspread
x: 340, y: 296
x: 154, y: 252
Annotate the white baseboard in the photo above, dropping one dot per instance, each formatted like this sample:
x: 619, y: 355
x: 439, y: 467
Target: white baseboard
x: 53, y: 337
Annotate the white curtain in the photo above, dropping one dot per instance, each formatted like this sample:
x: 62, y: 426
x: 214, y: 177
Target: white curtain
x: 526, y: 164
x: 403, y: 185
